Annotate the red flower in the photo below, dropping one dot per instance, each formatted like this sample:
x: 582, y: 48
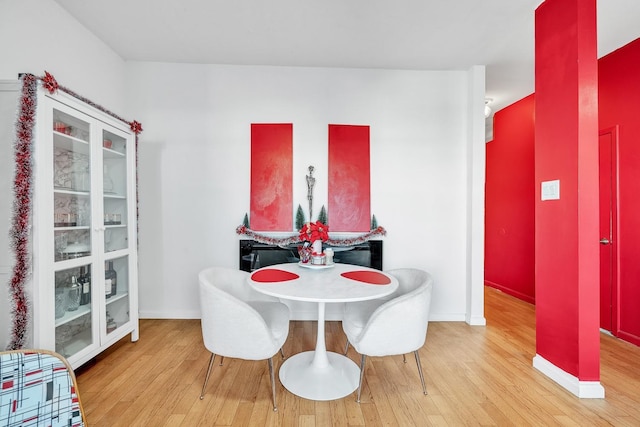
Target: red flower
x: 314, y: 231
x: 136, y: 127
x: 49, y: 82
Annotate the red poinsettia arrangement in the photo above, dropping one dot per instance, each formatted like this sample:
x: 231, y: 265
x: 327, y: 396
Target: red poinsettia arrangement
x: 313, y: 231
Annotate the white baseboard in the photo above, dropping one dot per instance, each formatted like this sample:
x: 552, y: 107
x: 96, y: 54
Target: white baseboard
x: 144, y: 314
x: 447, y: 317
x: 582, y: 389
x: 297, y: 313
x: 477, y: 321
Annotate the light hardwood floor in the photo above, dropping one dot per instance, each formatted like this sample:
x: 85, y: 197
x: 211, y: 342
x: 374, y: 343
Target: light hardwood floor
x: 475, y: 376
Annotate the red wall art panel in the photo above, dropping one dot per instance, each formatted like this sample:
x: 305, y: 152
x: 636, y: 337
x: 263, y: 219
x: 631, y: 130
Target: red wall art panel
x: 271, y: 177
x: 349, y: 178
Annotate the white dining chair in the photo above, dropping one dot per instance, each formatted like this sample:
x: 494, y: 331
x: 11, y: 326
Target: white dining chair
x: 238, y: 322
x: 391, y: 326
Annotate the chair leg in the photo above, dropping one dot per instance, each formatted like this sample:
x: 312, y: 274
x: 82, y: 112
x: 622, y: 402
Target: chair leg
x: 221, y: 360
x: 404, y: 358
x: 362, y: 361
x: 346, y: 348
x: 206, y: 378
x: 282, y: 353
x: 424, y: 388
x: 273, y: 383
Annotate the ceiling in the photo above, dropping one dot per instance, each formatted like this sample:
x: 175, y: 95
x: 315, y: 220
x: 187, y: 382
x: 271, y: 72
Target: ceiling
x: 399, y: 34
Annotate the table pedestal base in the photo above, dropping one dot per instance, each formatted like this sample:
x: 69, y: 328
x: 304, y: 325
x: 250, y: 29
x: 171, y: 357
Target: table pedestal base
x: 301, y: 377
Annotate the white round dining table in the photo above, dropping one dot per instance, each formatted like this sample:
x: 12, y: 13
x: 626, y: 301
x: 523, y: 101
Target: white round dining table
x: 321, y: 374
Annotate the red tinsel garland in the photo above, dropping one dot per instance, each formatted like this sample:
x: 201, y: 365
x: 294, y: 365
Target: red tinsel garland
x: 283, y: 241
x: 20, y: 221
x: 51, y: 85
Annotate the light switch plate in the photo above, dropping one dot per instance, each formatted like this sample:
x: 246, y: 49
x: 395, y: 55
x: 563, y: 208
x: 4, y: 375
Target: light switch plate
x: 550, y: 190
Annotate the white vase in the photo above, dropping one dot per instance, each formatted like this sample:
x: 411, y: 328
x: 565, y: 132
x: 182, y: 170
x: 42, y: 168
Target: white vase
x: 317, y: 246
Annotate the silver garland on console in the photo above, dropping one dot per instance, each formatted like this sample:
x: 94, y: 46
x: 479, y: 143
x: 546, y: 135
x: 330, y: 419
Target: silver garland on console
x: 244, y: 229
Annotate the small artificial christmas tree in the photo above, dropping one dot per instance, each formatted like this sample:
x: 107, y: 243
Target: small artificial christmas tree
x: 245, y: 221
x: 374, y: 222
x: 300, y: 221
x: 322, y: 216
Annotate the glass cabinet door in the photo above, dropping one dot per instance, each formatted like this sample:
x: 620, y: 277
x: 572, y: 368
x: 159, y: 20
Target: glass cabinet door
x: 116, y: 278
x: 114, y: 184
x: 72, y: 232
x: 71, y: 187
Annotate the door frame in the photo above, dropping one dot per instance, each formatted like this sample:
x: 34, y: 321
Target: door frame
x: 615, y: 220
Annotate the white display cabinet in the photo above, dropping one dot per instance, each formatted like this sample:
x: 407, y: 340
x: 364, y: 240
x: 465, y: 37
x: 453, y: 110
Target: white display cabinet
x: 84, y: 229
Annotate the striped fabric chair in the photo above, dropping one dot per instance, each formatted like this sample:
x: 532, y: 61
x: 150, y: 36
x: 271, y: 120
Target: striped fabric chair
x: 38, y: 388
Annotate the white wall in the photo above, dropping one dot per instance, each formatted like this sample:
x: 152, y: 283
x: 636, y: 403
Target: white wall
x: 195, y: 166
x: 39, y: 35
x: 194, y: 152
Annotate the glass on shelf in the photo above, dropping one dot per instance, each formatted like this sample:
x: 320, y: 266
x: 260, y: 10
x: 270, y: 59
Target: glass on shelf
x: 112, y: 325
x: 74, y: 292
x: 65, y: 219
x: 117, y: 276
x: 114, y: 143
x: 71, y: 210
x: 71, y: 244
x: 66, y: 124
x: 62, y: 127
x: 72, y: 319
x: 61, y: 302
x: 114, y: 217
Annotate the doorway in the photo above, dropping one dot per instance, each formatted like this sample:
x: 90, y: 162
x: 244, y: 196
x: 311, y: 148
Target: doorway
x: 607, y: 149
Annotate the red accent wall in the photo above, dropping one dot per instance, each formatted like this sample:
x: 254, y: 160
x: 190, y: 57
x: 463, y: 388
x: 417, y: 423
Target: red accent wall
x: 271, y: 177
x: 508, y: 265
x: 509, y: 200
x: 566, y: 148
x: 619, y: 104
x: 349, y: 178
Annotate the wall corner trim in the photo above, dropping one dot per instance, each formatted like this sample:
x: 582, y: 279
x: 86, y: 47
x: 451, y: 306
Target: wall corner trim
x: 582, y: 389
x: 476, y: 321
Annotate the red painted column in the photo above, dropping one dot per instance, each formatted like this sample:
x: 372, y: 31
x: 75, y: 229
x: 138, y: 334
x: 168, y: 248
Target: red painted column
x: 566, y: 149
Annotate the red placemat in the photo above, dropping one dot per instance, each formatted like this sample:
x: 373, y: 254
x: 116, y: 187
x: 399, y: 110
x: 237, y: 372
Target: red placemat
x: 370, y: 277
x: 273, y: 275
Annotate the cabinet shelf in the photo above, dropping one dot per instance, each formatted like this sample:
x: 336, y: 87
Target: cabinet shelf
x: 108, y: 226
x: 71, y: 227
x: 117, y: 297
x: 70, y: 191
x: 109, y: 153
x: 72, y: 315
x: 114, y: 196
x: 70, y: 143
